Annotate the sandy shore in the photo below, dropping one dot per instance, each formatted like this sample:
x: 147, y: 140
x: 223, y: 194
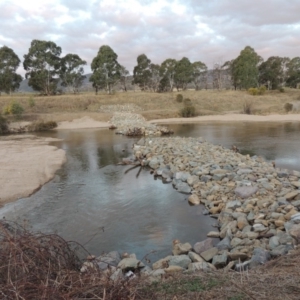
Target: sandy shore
x: 82, y: 123
x: 26, y: 163
x: 87, y: 122
x: 231, y: 118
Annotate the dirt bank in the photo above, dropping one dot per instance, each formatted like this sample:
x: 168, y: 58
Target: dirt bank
x: 26, y: 163
x: 232, y: 118
x: 85, y: 122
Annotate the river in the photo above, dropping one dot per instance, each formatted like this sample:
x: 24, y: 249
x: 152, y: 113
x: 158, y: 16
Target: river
x: 107, y: 207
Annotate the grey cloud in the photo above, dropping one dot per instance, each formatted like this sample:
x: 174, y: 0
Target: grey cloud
x: 228, y: 26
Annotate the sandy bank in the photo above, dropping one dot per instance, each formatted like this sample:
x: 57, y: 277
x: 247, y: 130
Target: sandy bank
x: 82, y: 123
x: 26, y: 163
x: 87, y: 122
x: 232, y: 118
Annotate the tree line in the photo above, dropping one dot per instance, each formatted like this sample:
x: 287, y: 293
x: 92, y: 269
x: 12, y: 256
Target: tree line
x: 46, y: 70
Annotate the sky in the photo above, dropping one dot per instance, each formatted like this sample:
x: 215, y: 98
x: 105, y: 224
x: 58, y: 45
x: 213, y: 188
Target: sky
x: 211, y: 31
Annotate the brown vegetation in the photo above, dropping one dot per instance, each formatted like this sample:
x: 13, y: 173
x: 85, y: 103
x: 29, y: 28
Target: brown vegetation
x: 153, y: 105
x: 40, y: 266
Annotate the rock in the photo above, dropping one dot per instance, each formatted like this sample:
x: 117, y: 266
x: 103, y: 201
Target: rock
x: 214, y: 234
x: 281, y: 250
x: 110, y: 259
x: 173, y: 269
x: 235, y: 242
x: 279, y: 223
x: 224, y: 244
x: 274, y: 242
x: 242, y: 222
x: 259, y: 257
x: 192, y: 180
x: 203, y: 246
x: 244, y: 171
x: 130, y: 263
x: 290, y: 196
x: 203, y: 266
x: 194, y: 199
x: 154, y: 163
x: 118, y: 274
x: 183, y: 176
x: 233, y: 204
x: 245, y: 191
x: 209, y: 254
x: 226, y: 217
x: 296, y: 184
x: 156, y: 275
x: 183, y: 187
x: 220, y: 261
x: 180, y: 248
x: 259, y: 227
x: 195, y: 257
x: 294, y: 232
x: 295, y: 218
x: 162, y: 263
x: 238, y: 256
x: 180, y: 260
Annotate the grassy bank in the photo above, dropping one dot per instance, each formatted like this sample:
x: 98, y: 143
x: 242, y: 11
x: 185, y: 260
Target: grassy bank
x: 40, y: 266
x: 152, y: 105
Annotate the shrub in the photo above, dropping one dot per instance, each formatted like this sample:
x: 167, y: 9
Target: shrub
x: 15, y: 109
x: 248, y: 107
x: 188, y: 111
x: 262, y: 90
x: 42, y: 126
x: 253, y: 91
x: 3, y: 125
x: 179, y: 98
x: 288, y: 107
x: 281, y: 90
x: 257, y: 91
x: 31, y: 102
x: 187, y: 102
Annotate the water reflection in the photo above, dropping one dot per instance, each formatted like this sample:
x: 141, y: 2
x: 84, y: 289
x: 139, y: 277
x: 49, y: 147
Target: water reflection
x: 277, y: 142
x: 91, y: 193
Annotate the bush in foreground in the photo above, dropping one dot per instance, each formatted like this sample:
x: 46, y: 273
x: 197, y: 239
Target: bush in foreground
x: 179, y: 98
x: 288, y: 107
x: 3, y: 125
x: 257, y: 91
x: 42, y: 126
x: 15, y: 109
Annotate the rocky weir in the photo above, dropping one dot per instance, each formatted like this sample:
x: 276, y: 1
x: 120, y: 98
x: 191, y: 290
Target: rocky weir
x: 256, y: 207
x: 255, y: 204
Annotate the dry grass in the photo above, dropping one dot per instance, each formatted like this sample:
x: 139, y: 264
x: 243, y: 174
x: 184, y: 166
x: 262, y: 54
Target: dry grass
x: 153, y: 105
x: 40, y: 266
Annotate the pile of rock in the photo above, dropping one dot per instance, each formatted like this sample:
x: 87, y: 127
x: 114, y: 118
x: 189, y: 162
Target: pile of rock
x: 131, y: 124
x: 256, y: 205
x: 128, y: 107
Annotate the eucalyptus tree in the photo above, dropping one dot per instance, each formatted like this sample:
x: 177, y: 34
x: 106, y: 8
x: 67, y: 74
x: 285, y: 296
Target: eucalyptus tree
x: 183, y: 73
x: 273, y: 72
x: 142, y: 72
x: 167, y: 74
x: 106, y: 69
x: 244, y: 68
x: 71, y: 72
x: 124, y: 74
x: 199, y: 71
x: 293, y: 73
x: 9, y: 63
x: 42, y: 65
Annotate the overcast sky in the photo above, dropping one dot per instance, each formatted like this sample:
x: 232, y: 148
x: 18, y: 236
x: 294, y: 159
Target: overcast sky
x: 209, y: 31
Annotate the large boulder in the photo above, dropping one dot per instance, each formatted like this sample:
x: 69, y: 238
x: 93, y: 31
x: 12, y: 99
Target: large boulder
x: 245, y: 191
x: 203, y: 246
x: 180, y: 248
x: 180, y: 260
x: 129, y: 263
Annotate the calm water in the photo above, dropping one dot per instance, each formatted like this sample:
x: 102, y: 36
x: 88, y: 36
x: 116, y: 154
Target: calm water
x: 106, y: 207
